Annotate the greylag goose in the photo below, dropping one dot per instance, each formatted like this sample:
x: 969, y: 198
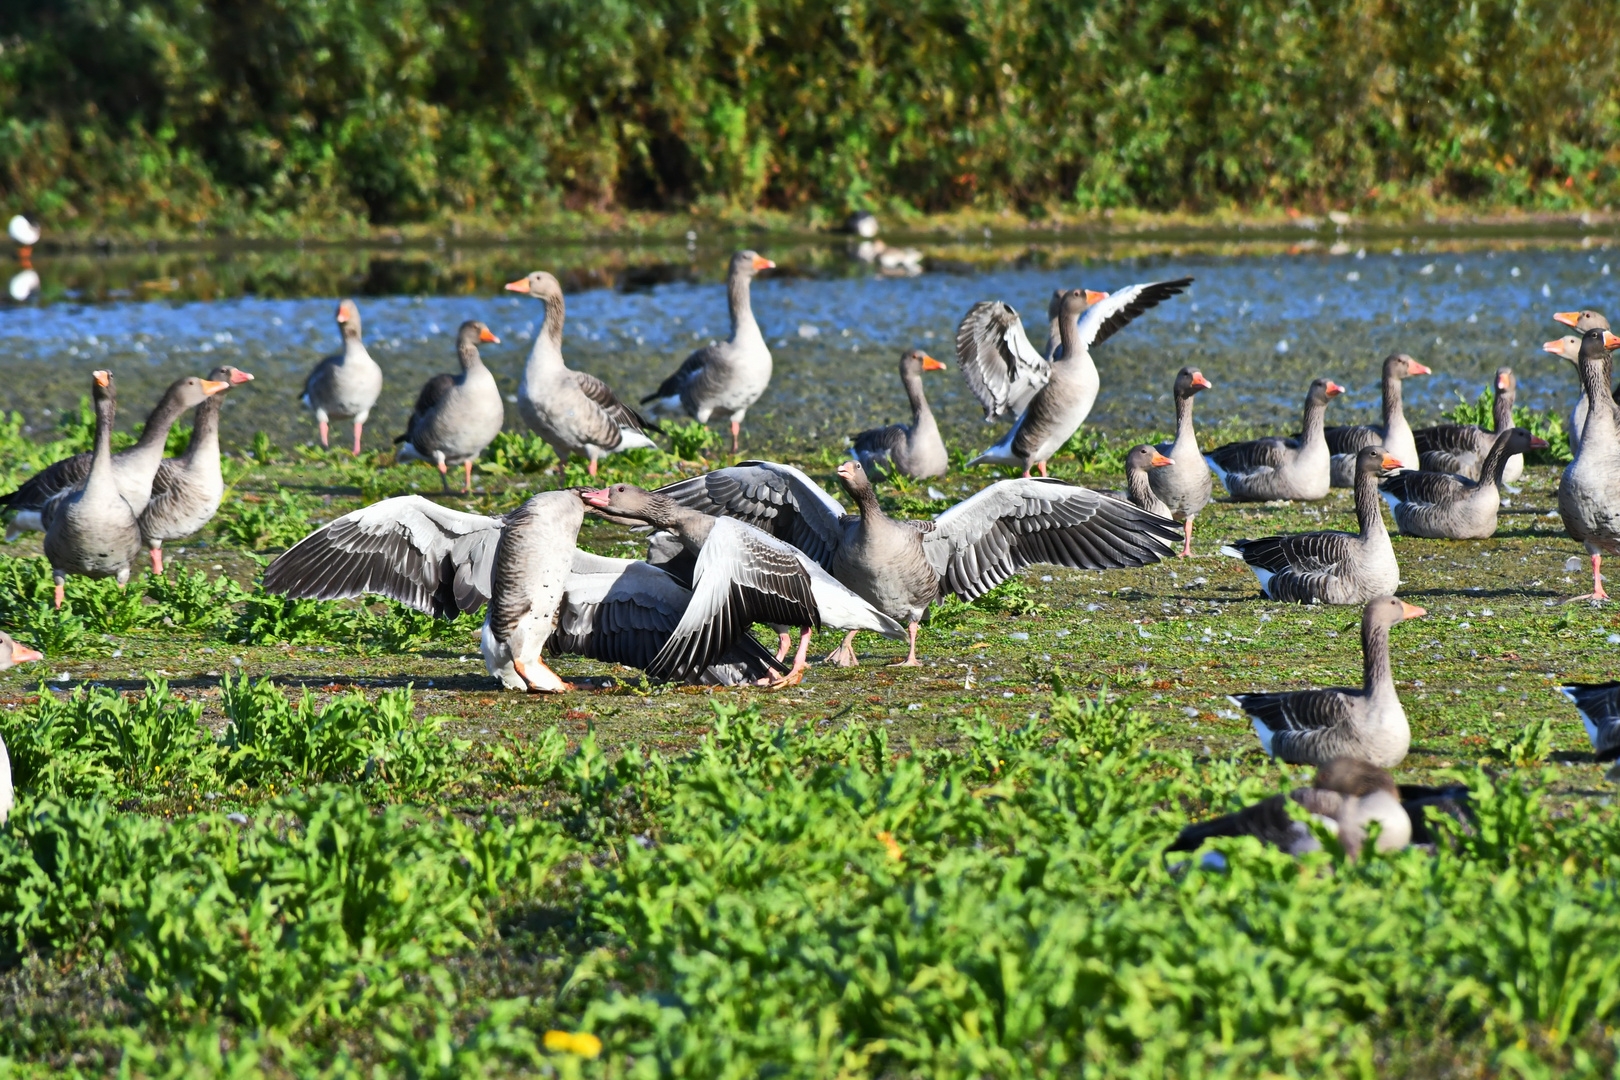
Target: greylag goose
x: 1589, y: 493
x: 347, y: 383
x: 913, y: 449
x: 1460, y: 448
x: 1186, y: 486
x: 1141, y: 462
x: 1394, y: 434
x: 1062, y: 402
x: 1278, y: 468
x: 573, y: 412
x: 1331, y: 567
x: 456, y: 416
x: 133, y: 469
x: 903, y: 567
x: 1312, y: 727
x: 187, y: 489
x: 740, y: 576
x: 90, y: 528
x: 1599, y: 706
x: 1446, y: 506
x: 1569, y: 347
x: 729, y: 376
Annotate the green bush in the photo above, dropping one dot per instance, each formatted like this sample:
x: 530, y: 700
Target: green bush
x: 1545, y: 425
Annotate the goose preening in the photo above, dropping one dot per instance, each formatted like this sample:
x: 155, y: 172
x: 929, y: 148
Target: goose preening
x: 456, y: 416
x: 1460, y: 449
x: 1394, y: 434
x: 1281, y: 468
x: 903, y: 567
x: 1589, y: 492
x: 573, y: 412
x: 347, y: 383
x: 187, y: 490
x: 728, y: 376
x: 1331, y: 567
x: 12, y: 653
x: 1141, y: 462
x: 133, y: 470
x: 1312, y: 727
x: 1186, y: 487
x: 1446, y: 506
x: 999, y: 367
x: 1599, y: 706
x: 91, y: 528
x: 913, y: 449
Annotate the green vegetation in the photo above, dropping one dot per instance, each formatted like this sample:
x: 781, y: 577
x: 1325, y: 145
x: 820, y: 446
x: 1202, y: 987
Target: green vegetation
x: 1546, y: 425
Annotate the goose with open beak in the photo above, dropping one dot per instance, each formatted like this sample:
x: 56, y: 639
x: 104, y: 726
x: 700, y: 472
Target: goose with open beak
x: 1281, y: 468
x: 456, y: 416
x: 915, y: 449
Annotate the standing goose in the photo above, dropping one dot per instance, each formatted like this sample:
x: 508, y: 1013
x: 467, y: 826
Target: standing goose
x: 1460, y: 448
x: 91, y: 528
x: 1599, y: 706
x: 1394, y: 434
x: 12, y: 653
x: 1058, y: 407
x: 728, y: 376
x: 346, y: 383
x: 914, y: 449
x: 1278, y: 468
x: 1312, y: 727
x: 1140, y: 464
x: 187, y: 489
x: 1445, y: 506
x: 1569, y: 347
x: 1589, y: 493
x: 456, y: 416
x: 1331, y: 567
x: 573, y: 412
x: 1186, y: 486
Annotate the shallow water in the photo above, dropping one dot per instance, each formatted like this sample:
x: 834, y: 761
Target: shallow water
x: 1261, y: 320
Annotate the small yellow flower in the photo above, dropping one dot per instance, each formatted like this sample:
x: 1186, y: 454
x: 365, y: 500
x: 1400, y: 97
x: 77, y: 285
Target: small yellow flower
x: 584, y: 1044
x: 888, y: 841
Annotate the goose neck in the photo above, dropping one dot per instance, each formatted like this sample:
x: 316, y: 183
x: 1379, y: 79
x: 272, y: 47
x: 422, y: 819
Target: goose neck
x: 1502, y: 410
x: 1369, y: 504
x: 1600, y: 414
x: 1312, y: 428
x: 156, y: 432
x: 1392, y: 399
x: 742, y: 309
x: 1496, y: 459
x: 547, y: 348
x: 912, y: 381
x: 1184, y: 417
x: 1139, y: 487
x: 1376, y: 677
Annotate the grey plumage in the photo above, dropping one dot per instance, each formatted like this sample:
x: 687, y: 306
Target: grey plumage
x: 915, y: 449
x: 1446, y: 506
x: 1281, y: 468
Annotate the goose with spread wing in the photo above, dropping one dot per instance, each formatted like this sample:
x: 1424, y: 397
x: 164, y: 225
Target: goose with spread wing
x: 1274, y: 467
x: 1394, y: 434
x: 999, y: 363
x: 456, y: 416
x: 1460, y: 449
x: 1446, y: 506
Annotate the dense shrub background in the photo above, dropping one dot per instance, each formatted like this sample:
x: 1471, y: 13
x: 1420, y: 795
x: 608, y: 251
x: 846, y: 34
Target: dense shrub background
x: 172, y: 114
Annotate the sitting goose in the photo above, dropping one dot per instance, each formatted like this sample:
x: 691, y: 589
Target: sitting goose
x: 187, y: 489
x: 913, y: 449
x: 1140, y: 464
x: 12, y: 653
x: 573, y: 412
x: 1394, y: 434
x: 1186, y: 486
x: 728, y: 376
x: 456, y: 416
x: 1445, y: 506
x: 1599, y: 706
x: 1330, y: 567
x: 347, y: 383
x: 1277, y: 468
x: 1460, y: 448
x: 1312, y: 727
x: 91, y: 528
x: 1589, y: 492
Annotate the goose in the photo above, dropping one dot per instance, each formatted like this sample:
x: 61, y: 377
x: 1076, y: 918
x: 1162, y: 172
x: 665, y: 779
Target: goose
x: 1312, y: 727
x: 134, y: 470
x: 740, y: 576
x: 1460, y: 448
x: 25, y: 234
x: 91, y: 528
x: 1569, y: 347
x: 187, y: 490
x: 1445, y: 506
x: 1186, y: 486
x: 456, y: 416
x: 573, y: 412
x: 728, y: 376
x: 1281, y: 468
x: 1330, y: 567
x: 1599, y: 707
x: 862, y: 223
x: 1062, y: 402
x: 347, y: 383
x: 1589, y: 492
x: 1141, y: 462
x: 903, y: 567
x: 1394, y: 434
x: 913, y: 449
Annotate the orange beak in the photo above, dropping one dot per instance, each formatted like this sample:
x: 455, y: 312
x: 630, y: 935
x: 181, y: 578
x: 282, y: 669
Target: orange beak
x: 1159, y: 459
x: 1502, y: 380
x: 930, y: 364
x: 22, y: 654
x: 520, y: 285
x: 762, y: 263
x: 1334, y: 389
x: 1095, y: 297
x: 1554, y: 347
x: 1391, y: 462
x: 214, y: 386
x: 1419, y: 369
x: 1610, y: 341
x: 1199, y: 380
x: 1537, y: 443
x: 240, y: 376
x: 1411, y: 611
x: 598, y: 498
x: 1568, y: 318
x: 343, y: 313
x: 485, y: 335
x: 103, y: 378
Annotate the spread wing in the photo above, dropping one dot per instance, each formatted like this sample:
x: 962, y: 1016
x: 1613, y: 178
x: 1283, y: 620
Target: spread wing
x: 777, y: 499
x: 1109, y: 315
x: 1000, y: 365
x: 621, y: 414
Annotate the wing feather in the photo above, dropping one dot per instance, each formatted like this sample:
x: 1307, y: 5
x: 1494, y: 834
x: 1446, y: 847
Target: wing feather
x: 774, y: 498
x: 999, y: 364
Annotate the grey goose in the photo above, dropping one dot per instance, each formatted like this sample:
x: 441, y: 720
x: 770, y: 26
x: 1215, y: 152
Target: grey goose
x: 1446, y: 506
x: 1186, y: 487
x: 187, y: 490
x: 1275, y: 467
x: 1459, y: 449
x: 1589, y: 491
x: 345, y: 384
x: 1141, y: 462
x: 915, y: 449
x: 456, y: 416
x: 1599, y: 707
x: 1394, y: 434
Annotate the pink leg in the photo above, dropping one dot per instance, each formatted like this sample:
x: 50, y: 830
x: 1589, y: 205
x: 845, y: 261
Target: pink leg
x: 357, y: 426
x: 323, y: 433
x: 844, y: 655
x: 783, y: 645
x: 59, y: 596
x: 1026, y: 472
x: 911, y: 654
x: 1041, y: 465
x: 1186, y: 549
x: 467, y: 488
x: 800, y: 662
x: 1597, y: 578
x: 590, y: 466
x: 157, y: 560
x: 736, y: 430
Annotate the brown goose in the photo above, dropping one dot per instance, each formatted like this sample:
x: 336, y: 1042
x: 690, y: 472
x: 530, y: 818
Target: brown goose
x: 913, y: 449
x: 1394, y: 434
x: 1599, y: 707
x: 1330, y: 567
x: 1279, y: 468
x: 1140, y: 464
x: 91, y: 528
x: 456, y: 416
x: 1312, y: 727
x: 727, y: 377
x: 1444, y: 506
x: 347, y: 383
x: 1460, y: 448
x: 573, y: 412
x: 1589, y: 493
x: 1186, y: 486
x: 187, y: 489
